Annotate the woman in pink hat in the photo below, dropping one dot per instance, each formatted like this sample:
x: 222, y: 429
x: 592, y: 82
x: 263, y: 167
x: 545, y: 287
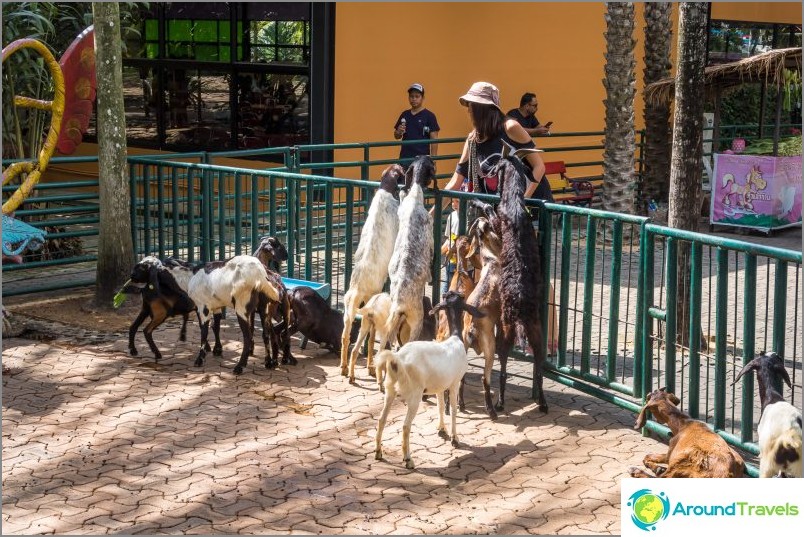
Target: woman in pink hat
x: 495, y: 136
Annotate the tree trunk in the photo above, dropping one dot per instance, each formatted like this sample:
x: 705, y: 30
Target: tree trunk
x: 657, y: 146
x: 619, y: 187
x: 115, y: 246
x: 686, y: 167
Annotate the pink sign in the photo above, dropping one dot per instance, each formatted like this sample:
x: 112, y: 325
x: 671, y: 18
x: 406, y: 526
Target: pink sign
x: 756, y: 191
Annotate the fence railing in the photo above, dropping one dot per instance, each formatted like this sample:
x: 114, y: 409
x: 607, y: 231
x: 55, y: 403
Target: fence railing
x: 615, y: 283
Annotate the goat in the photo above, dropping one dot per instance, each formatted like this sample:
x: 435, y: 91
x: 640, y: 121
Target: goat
x: 316, y: 320
x: 426, y: 367
x: 779, y: 427
x: 271, y: 253
x: 162, y: 297
x: 374, y: 315
x: 462, y: 282
x: 370, y: 262
x: 521, y: 282
x: 479, y: 333
x: 410, y: 266
x: 695, y: 450
x: 238, y: 282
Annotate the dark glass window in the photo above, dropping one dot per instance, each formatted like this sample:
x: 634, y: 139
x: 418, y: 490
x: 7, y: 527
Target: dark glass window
x: 731, y: 40
x: 213, y: 76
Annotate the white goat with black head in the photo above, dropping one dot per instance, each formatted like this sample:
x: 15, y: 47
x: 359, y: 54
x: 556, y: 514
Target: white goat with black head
x: 410, y: 267
x: 779, y: 427
x: 239, y: 283
x: 370, y: 263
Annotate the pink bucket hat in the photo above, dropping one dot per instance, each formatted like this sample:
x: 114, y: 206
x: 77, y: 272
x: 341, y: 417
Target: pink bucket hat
x: 482, y: 93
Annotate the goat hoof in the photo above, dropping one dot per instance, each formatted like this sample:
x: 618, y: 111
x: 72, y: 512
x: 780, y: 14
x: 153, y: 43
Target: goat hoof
x: 238, y: 370
x: 157, y: 357
x: 378, y: 454
x: 182, y: 337
x: 443, y: 434
x: 344, y: 372
x: 199, y: 362
x: 372, y: 372
x: 543, y: 409
x: 409, y: 464
x: 207, y: 348
x: 499, y: 406
x: 455, y: 443
x: 132, y: 351
x: 271, y: 364
x: 217, y: 351
x: 351, y: 379
x: 462, y: 408
x: 492, y: 415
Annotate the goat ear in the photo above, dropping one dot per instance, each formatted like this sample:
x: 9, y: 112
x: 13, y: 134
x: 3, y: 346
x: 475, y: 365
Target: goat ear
x: 783, y: 372
x: 153, y: 277
x: 642, y: 418
x: 750, y: 366
x: 438, y: 307
x: 473, y: 311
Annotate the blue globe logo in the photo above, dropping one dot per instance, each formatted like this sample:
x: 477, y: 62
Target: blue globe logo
x: 648, y: 508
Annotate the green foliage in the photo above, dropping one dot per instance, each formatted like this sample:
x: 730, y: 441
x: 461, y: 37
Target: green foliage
x: 788, y: 147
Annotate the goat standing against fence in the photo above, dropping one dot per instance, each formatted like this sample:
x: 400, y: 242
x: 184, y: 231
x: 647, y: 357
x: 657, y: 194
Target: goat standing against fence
x: 370, y: 262
x: 522, y: 287
x: 411, y: 262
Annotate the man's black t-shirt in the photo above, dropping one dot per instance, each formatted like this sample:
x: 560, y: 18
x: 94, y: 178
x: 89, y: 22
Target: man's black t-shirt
x: 527, y: 122
x: 417, y: 127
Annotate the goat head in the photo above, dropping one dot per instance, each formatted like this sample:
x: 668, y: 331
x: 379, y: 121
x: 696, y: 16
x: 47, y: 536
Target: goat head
x: 654, y: 404
x: 772, y: 359
x: 392, y: 178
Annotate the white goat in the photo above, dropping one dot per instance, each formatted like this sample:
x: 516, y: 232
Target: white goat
x: 238, y: 282
x: 370, y: 263
x: 426, y: 367
x: 779, y: 427
x: 413, y: 254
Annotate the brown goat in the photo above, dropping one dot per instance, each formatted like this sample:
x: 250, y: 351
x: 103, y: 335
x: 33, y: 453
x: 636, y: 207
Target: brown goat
x: 462, y: 282
x: 695, y: 450
x: 478, y: 333
x: 271, y: 253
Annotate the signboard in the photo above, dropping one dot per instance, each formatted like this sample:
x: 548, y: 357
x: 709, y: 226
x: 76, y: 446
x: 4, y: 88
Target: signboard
x: 757, y: 192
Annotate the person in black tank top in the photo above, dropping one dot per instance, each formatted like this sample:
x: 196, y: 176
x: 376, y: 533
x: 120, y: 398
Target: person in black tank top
x: 494, y: 137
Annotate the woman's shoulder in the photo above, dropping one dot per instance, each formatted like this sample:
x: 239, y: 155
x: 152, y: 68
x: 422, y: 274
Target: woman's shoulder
x: 516, y: 132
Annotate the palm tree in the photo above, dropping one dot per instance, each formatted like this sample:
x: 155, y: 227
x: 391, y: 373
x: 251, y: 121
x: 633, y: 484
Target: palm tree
x: 115, y: 246
x: 685, y: 168
x: 656, y: 155
x: 618, y: 154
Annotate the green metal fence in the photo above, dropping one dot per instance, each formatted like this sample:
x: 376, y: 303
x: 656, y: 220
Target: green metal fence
x: 615, y: 278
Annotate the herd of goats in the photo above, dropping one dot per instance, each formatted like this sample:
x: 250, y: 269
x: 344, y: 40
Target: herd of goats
x: 486, y: 314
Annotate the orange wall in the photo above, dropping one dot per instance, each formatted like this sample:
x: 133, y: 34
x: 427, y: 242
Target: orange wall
x: 551, y: 48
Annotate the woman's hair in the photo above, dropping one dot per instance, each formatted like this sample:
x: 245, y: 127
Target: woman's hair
x: 487, y: 119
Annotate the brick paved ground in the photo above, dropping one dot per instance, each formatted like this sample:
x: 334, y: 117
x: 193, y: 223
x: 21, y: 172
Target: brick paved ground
x: 96, y: 441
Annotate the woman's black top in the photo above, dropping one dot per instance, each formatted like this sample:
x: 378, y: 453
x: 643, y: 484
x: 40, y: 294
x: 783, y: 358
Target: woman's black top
x: 489, y: 153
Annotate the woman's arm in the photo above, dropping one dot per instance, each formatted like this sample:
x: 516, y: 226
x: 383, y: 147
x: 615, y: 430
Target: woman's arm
x: 456, y: 180
x: 516, y: 132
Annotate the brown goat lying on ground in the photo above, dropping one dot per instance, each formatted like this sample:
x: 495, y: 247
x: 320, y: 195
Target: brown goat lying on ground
x: 695, y: 450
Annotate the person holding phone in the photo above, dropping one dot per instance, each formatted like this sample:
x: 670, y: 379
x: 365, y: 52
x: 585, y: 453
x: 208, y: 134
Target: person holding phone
x: 526, y: 116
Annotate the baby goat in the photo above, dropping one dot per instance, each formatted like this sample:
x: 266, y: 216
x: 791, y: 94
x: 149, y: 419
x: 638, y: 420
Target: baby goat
x: 695, y: 450
x: 316, y: 320
x: 370, y: 263
x: 426, y: 367
x: 271, y: 253
x: 779, y: 427
x: 162, y: 297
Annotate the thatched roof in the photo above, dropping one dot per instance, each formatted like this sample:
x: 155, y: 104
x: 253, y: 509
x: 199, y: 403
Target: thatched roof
x: 767, y: 67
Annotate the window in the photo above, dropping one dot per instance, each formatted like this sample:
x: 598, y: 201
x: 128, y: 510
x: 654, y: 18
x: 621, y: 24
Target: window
x: 733, y: 40
x: 215, y: 76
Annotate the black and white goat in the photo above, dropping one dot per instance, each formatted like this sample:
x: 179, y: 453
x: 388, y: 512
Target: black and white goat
x: 239, y: 282
x: 370, y: 263
x: 410, y: 266
x: 779, y: 427
x: 162, y: 297
x: 271, y: 252
x: 426, y: 367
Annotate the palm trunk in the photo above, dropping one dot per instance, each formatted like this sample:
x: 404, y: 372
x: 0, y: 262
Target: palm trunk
x: 620, y: 81
x: 115, y: 246
x: 686, y: 168
x: 656, y: 158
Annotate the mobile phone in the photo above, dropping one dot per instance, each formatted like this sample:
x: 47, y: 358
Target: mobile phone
x: 548, y: 124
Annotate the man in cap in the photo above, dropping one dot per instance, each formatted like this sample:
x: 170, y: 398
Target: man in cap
x: 418, y: 123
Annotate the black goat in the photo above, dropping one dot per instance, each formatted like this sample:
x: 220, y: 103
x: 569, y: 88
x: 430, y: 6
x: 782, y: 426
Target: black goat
x: 317, y: 321
x: 162, y: 297
x: 521, y: 280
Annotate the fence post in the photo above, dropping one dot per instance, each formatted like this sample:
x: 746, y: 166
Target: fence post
x: 563, y: 312
x: 749, y: 333
x: 670, y: 315
x: 779, y: 313
x: 546, y: 232
x: 132, y: 208
x: 696, y: 283
x: 588, y: 293
x: 721, y: 305
x: 614, y: 299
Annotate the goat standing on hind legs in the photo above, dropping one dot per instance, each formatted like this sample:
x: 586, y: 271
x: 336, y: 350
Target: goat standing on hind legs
x: 521, y: 281
x: 370, y: 263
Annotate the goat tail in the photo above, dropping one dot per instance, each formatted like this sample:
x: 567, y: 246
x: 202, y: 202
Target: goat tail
x: 386, y: 360
x: 787, y: 448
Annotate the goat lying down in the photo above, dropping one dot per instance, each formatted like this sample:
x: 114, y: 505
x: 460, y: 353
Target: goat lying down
x: 426, y: 367
x: 779, y: 429
x: 695, y: 450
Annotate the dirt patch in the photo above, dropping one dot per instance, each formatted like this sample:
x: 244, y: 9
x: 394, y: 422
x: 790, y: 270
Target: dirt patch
x: 74, y: 308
